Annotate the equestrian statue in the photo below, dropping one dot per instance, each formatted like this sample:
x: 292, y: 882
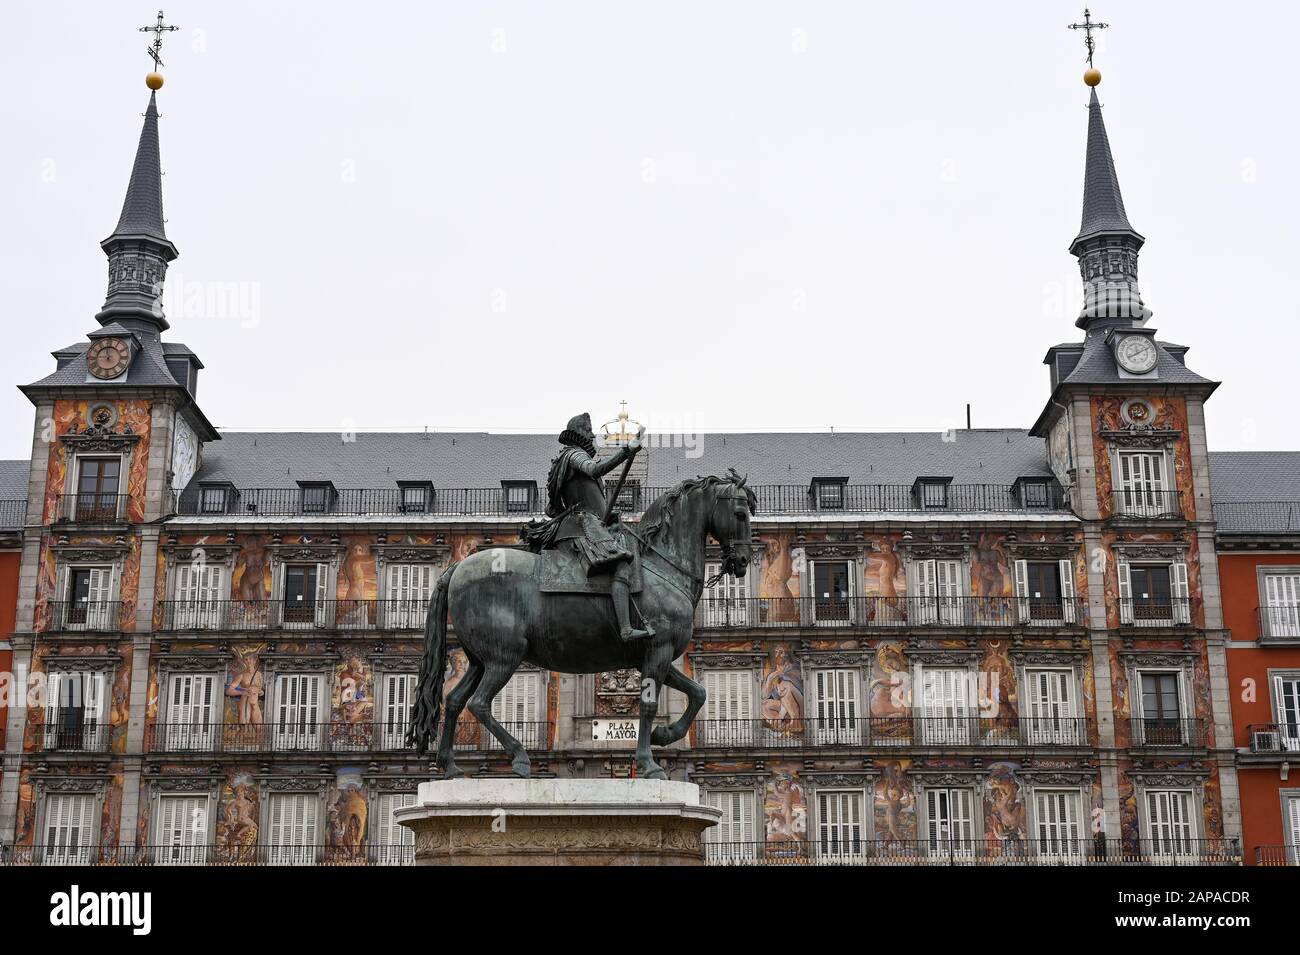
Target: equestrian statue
x: 583, y: 593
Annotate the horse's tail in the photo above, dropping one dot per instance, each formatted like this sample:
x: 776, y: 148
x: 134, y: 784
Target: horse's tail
x: 433, y: 667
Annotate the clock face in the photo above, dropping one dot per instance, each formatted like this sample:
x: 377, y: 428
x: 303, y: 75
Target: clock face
x: 1136, y: 354
x: 108, y: 357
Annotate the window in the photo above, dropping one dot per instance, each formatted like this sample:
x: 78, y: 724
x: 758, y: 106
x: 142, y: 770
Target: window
x: 191, y: 704
x: 835, y: 703
x: 415, y: 497
x: 726, y: 605
x: 1286, y: 704
x: 298, y: 711
x: 1052, y: 718
x: 1291, y: 815
x: 214, y: 499
x: 410, y: 587
x: 1035, y: 495
x: 939, y: 585
x: 1045, y: 592
x: 945, y: 705
x: 304, y: 594
x: 74, y: 711
x: 519, y: 496
x: 839, y: 824
x: 1153, y: 595
x: 1281, y: 617
x: 1170, y: 828
x: 933, y: 494
x: 728, y: 708
x: 90, y: 606
x: 520, y: 708
x: 949, y: 823
x: 832, y: 583
x: 69, y: 828
x: 292, y: 828
x: 399, y: 695
x: 1161, y: 721
x: 1142, y: 491
x: 316, y: 498
x: 182, y: 831
x: 828, y: 493
x: 1058, y: 834
x: 200, y: 596
x: 98, y: 482
x: 733, y: 837
x: 391, y: 843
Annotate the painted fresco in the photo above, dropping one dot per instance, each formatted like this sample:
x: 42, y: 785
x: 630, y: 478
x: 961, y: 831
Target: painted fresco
x: 894, y: 800
x: 785, y: 806
x: 132, y: 414
x: 358, y: 572
x: 781, y: 697
x: 245, y: 691
x: 251, y: 579
x: 1170, y: 413
x: 991, y: 572
x: 1004, y: 809
x: 237, y: 811
x: 999, y: 692
x: 345, y: 812
x: 889, y: 692
x: 352, y: 699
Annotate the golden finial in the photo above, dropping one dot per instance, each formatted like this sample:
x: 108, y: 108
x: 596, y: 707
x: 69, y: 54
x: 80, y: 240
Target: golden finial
x: 155, y: 79
x: 1091, y: 76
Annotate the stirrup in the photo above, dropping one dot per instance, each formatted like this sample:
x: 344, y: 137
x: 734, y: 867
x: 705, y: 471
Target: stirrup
x: 632, y: 633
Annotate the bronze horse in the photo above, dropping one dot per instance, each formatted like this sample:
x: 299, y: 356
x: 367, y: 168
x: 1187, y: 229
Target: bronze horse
x: 502, y: 619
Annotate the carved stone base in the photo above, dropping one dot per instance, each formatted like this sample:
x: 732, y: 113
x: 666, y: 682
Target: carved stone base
x: 503, y: 821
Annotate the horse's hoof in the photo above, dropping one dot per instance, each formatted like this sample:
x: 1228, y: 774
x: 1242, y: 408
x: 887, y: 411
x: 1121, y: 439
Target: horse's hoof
x: 660, y: 736
x: 653, y: 771
x: 451, y: 772
x: 522, y: 768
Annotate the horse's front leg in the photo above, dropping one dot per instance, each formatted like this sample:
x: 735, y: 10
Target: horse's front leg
x: 658, y: 661
x: 675, y: 678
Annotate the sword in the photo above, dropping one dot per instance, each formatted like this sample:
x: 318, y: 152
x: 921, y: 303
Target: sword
x: 618, y: 488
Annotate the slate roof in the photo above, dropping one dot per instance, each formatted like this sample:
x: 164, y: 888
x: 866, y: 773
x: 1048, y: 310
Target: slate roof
x: 480, y: 460
x: 1103, y: 206
x: 13, y: 480
x: 142, y: 210
x: 1256, y: 492
x: 148, y: 368
x: 1097, y: 366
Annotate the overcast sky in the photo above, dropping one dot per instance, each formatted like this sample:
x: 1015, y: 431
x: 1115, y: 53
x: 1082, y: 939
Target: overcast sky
x: 733, y: 215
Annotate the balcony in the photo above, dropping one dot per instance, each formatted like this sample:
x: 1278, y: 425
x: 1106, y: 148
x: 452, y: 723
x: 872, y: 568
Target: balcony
x: 1277, y: 855
x: 169, y: 855
x: 92, y: 508
x: 975, y: 852
x: 1281, y: 624
x: 1274, y: 739
x: 732, y: 613
x: 75, y: 735
x: 892, y: 731
x: 1176, y: 612
x: 88, y: 616
x: 242, y: 615
x: 1167, y: 733
x: 309, y: 737
x: 1144, y: 504
x: 494, y: 502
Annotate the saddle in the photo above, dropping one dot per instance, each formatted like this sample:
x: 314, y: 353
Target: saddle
x: 564, y: 571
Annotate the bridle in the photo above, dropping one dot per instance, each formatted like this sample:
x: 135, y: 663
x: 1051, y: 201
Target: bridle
x: 729, y: 565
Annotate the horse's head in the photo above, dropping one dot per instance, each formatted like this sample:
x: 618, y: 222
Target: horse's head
x: 733, y: 503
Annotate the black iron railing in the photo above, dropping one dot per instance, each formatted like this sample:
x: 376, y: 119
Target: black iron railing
x: 1143, y: 503
x: 1274, y: 737
x: 301, y: 615
x: 335, y: 737
x: 494, y: 501
x: 1278, y: 623
x: 1277, y: 855
x: 908, y: 731
x: 1257, y: 517
x: 93, y: 507
x: 843, y: 848
x: 96, y: 616
x: 1156, y: 732
x: 1174, y: 612
x: 180, y: 855
x: 728, y: 613
x: 75, y: 735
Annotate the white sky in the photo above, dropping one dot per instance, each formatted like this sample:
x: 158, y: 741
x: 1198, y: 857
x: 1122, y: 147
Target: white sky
x: 748, y: 215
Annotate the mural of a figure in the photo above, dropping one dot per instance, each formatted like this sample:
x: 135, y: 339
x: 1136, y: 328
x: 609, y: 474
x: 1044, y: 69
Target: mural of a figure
x: 895, y: 803
x: 999, y: 697
x: 782, y: 700
x: 1004, y: 812
x: 252, y: 571
x: 346, y: 814
x: 889, y: 694
x: 883, y: 576
x: 990, y: 569
x: 237, y: 820
x: 785, y: 810
x: 246, y: 687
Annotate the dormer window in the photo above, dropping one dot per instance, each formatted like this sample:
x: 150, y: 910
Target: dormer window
x: 317, y: 497
x: 416, y: 496
x: 828, y: 493
x: 216, y: 498
x: 932, y: 492
x: 1035, y: 493
x: 519, y: 496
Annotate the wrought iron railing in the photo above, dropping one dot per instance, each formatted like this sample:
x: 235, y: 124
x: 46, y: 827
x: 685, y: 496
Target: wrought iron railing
x: 1143, y: 503
x: 75, y: 736
x: 495, y: 502
x: 96, y: 616
x: 239, y: 615
x: 93, y: 507
x: 335, y: 737
x: 844, y: 848
x: 729, y: 613
x: 1173, y: 612
x: 1274, y: 737
x: 1277, y: 855
x: 1157, y: 732
x: 1278, y: 623
x: 911, y: 731
x: 221, y: 855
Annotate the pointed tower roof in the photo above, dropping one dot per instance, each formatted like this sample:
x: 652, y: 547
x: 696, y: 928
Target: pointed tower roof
x: 142, y: 210
x: 1103, y: 206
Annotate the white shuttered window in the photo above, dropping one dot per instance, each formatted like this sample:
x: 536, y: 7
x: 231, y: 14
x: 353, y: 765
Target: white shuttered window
x: 293, y: 828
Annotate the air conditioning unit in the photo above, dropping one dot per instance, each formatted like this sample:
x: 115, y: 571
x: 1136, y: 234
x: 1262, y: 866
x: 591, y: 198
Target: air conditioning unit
x: 1266, y: 741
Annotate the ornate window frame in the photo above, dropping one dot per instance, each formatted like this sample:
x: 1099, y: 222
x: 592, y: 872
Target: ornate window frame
x: 822, y: 782
x: 187, y: 785
x: 47, y: 785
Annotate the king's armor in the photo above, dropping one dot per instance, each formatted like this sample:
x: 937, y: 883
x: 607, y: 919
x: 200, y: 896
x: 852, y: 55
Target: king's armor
x: 576, y: 500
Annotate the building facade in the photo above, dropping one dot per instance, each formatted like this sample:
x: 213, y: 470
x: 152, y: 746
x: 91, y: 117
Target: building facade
x: 985, y: 646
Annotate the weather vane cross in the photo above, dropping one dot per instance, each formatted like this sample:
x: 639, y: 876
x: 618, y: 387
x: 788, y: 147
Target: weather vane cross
x: 1087, y: 26
x: 155, y: 48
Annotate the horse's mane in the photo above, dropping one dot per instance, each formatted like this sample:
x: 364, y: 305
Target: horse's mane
x: 659, y: 515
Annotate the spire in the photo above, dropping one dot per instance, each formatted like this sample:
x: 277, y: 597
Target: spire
x: 1103, y: 206
x: 138, y: 250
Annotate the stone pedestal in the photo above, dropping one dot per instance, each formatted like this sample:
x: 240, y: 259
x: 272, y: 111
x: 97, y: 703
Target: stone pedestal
x: 506, y: 821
